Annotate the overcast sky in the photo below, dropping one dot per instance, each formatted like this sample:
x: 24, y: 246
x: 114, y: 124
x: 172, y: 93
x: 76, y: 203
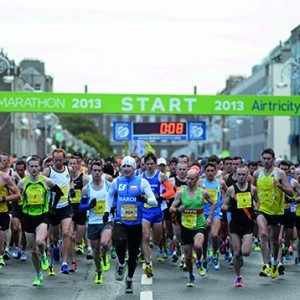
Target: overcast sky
x: 138, y: 46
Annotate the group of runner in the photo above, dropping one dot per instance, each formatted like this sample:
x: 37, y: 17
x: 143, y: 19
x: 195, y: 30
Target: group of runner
x: 191, y: 211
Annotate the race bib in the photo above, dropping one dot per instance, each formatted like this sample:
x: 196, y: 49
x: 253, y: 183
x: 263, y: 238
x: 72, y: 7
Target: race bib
x: 77, y: 198
x: 100, y: 207
x: 213, y: 194
x: 244, y: 200
x: 3, y: 206
x: 65, y: 191
x: 35, y: 196
x: 266, y: 196
x: 129, y: 212
x: 189, y: 220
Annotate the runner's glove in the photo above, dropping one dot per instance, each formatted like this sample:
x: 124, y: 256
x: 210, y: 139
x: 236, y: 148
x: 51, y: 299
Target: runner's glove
x: 93, y: 203
x: 72, y: 193
x: 141, y: 198
x: 159, y: 199
x: 105, y: 217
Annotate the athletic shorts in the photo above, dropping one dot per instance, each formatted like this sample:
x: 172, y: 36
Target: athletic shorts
x: 30, y: 223
x: 240, y: 229
x: 60, y: 214
x: 4, y: 221
x: 187, y: 235
x: 153, y: 217
x: 94, y: 231
x: 78, y: 217
x: 215, y: 216
x: 18, y: 213
x: 272, y: 220
x: 297, y: 222
x: 288, y: 220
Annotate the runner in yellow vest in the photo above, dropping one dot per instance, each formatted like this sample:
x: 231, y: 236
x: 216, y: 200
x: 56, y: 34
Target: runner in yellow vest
x: 271, y: 183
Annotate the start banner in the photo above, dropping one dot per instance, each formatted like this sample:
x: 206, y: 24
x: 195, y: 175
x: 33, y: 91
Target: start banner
x: 254, y: 105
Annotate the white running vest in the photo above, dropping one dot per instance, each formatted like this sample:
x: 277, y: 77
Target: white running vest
x: 62, y: 179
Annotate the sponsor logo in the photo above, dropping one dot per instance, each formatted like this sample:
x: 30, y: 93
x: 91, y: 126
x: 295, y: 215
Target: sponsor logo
x: 121, y: 187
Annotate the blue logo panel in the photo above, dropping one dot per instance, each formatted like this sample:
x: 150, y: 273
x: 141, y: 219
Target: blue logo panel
x: 122, y: 131
x: 196, y: 131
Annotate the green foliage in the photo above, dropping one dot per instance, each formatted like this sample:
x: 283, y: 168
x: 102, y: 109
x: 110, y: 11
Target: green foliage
x: 85, y: 129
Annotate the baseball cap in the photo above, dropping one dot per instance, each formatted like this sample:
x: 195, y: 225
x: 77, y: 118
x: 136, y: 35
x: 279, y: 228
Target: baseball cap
x: 79, y: 154
x: 161, y: 161
x: 128, y: 161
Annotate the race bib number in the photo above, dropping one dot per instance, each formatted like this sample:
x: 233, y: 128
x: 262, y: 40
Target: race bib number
x: 35, y: 197
x: 129, y: 212
x: 244, y: 200
x: 189, y: 220
x: 267, y: 196
x: 77, y: 198
x: 100, y: 207
x: 65, y: 191
x: 213, y: 194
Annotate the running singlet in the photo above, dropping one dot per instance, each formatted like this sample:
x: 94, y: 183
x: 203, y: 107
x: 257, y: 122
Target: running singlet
x: 271, y: 198
x: 78, y: 186
x: 62, y: 179
x: 96, y: 213
x: 129, y: 211
x: 213, y: 189
x: 155, y: 186
x: 193, y: 216
x: 289, y: 207
x: 35, y: 197
x: 241, y: 205
x: 230, y: 181
x: 3, y: 192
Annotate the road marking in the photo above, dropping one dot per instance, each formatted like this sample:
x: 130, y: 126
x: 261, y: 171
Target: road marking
x: 146, y: 295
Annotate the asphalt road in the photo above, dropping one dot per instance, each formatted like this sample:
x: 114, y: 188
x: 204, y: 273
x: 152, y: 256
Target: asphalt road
x: 168, y: 283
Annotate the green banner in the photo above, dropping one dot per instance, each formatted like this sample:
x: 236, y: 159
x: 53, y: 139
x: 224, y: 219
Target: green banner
x: 150, y: 104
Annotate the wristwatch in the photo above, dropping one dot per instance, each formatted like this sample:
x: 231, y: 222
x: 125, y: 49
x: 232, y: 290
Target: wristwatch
x: 3, y: 198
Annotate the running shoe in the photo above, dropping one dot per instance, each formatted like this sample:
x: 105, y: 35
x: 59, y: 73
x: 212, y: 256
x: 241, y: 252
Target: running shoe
x: 168, y: 252
x: 79, y: 250
x: 56, y: 254
x: 227, y: 255
x: 160, y: 255
x: 148, y: 271
x: 141, y: 258
x: 281, y: 269
x: 274, y: 270
x: 287, y: 257
x: 239, y: 282
x: 216, y: 265
x: 89, y: 254
x: 6, y: 254
x: 256, y: 246
x: 73, y: 268
x: 105, y: 263
x: 129, y: 287
x: 44, y: 262
x: 98, y: 277
x: 175, y: 257
x: 113, y: 254
x: 201, y: 270
x: 120, y: 272
x: 51, y: 271
x: 2, y: 262
x: 23, y: 256
x: 38, y: 279
x: 15, y: 253
x: 191, y: 280
x: 64, y: 269
x: 178, y: 250
x: 265, y: 272
x: 205, y: 265
x: 210, y: 254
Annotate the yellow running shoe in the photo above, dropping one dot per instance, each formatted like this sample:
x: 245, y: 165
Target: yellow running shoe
x: 51, y: 271
x: 38, y: 279
x: 274, y: 271
x: 44, y: 262
x: 265, y: 272
x: 98, y: 277
x: 148, y: 271
x: 2, y: 262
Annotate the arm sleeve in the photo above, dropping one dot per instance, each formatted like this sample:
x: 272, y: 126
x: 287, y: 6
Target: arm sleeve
x: 146, y: 189
x: 110, y: 197
x: 84, y: 205
x: 170, y: 191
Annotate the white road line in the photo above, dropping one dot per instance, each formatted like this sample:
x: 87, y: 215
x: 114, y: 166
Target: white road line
x: 145, y: 280
x: 146, y: 295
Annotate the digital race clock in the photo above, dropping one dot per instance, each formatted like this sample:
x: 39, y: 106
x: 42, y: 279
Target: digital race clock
x: 159, y: 131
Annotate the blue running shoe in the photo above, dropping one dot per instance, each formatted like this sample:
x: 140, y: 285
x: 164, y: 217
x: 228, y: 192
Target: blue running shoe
x: 56, y: 254
x: 64, y: 269
x: 113, y: 254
